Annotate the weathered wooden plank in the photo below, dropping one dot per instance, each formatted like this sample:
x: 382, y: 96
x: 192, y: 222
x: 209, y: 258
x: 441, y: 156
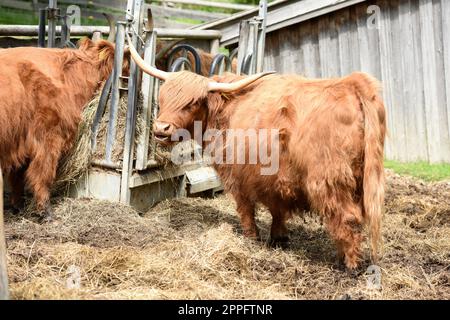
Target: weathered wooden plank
x: 386, y: 75
x: 310, y: 54
x: 446, y: 40
x: 282, y: 14
x: 440, y: 80
x: 335, y: 70
x: 430, y: 81
x: 418, y: 106
x: 295, y: 60
x: 272, y: 52
x: 324, y: 40
x: 397, y: 83
x: 410, y: 85
x: 366, y: 56
x: 344, y: 36
x: 354, y: 54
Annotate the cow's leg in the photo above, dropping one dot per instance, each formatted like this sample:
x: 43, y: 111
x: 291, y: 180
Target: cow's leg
x: 17, y: 183
x: 279, y: 234
x: 41, y: 174
x: 246, y: 211
x: 345, y: 227
x: 341, y: 213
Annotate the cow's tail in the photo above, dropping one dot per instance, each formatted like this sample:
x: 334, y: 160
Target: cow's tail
x: 367, y: 89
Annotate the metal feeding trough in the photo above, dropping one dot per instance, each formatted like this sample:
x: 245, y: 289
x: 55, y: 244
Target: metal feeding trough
x: 138, y: 179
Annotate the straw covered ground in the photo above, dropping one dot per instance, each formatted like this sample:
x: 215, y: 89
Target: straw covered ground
x: 193, y: 248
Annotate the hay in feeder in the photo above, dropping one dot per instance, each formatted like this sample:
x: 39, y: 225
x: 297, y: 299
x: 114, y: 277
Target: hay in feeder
x: 77, y: 161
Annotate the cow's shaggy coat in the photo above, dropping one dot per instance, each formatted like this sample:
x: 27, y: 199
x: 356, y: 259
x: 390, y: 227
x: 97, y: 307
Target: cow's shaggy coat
x: 42, y: 93
x: 331, y: 148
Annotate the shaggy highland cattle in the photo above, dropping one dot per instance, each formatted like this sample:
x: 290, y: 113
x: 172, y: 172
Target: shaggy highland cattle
x: 42, y: 94
x: 331, y: 138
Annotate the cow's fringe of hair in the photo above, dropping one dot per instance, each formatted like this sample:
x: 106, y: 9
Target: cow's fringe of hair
x: 182, y: 89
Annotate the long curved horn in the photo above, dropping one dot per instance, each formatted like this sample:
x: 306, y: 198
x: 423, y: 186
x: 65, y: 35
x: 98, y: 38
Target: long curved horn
x: 146, y: 67
x: 112, y: 27
x: 233, y: 86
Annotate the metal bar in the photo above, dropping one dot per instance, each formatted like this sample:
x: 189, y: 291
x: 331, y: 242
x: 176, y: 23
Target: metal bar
x: 97, y: 35
x: 154, y: 115
x: 218, y: 62
x: 115, y: 96
x: 260, y: 47
x: 192, y: 50
x: 4, y: 293
x: 64, y: 32
x: 252, y: 44
x: 246, y: 65
x: 52, y: 11
x: 133, y: 89
x: 147, y: 86
x: 24, y: 30
x: 147, y: 92
x: 41, y: 30
x: 106, y: 165
x: 100, y: 111
x: 180, y: 64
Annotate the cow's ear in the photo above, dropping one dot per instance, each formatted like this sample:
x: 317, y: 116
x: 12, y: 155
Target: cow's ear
x: 85, y: 44
x: 105, y: 50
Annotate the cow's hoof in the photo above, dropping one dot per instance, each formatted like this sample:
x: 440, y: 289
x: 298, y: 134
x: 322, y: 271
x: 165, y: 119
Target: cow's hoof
x: 15, y: 208
x: 280, y: 242
x: 47, y: 216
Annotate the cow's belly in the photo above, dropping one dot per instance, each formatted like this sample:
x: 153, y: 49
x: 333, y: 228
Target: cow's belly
x: 281, y: 191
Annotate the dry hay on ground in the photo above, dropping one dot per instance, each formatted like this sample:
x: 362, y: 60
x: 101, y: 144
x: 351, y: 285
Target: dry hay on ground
x: 193, y: 248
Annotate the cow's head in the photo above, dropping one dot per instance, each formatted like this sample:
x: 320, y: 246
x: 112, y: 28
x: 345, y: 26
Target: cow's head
x: 102, y: 53
x: 184, y: 97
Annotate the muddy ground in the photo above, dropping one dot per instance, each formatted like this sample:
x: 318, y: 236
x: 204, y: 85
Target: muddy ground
x: 193, y: 248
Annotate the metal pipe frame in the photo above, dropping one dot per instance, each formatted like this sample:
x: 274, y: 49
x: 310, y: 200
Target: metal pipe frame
x: 178, y: 64
x: 42, y: 24
x: 218, y: 62
x: 65, y: 33
x: 115, y: 96
x: 191, y: 49
x: 100, y: 111
x: 261, y: 41
x: 52, y: 20
x: 188, y: 34
x: 135, y: 23
x: 147, y: 88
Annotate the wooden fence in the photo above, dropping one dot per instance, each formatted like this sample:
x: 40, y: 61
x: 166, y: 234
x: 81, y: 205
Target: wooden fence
x: 404, y: 43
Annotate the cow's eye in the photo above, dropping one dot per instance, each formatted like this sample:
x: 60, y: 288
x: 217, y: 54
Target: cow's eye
x: 189, y: 107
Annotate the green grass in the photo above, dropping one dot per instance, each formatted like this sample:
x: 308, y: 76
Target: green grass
x: 422, y: 170
x: 15, y: 16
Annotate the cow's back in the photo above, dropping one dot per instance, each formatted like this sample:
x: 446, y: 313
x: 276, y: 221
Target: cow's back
x: 320, y: 125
